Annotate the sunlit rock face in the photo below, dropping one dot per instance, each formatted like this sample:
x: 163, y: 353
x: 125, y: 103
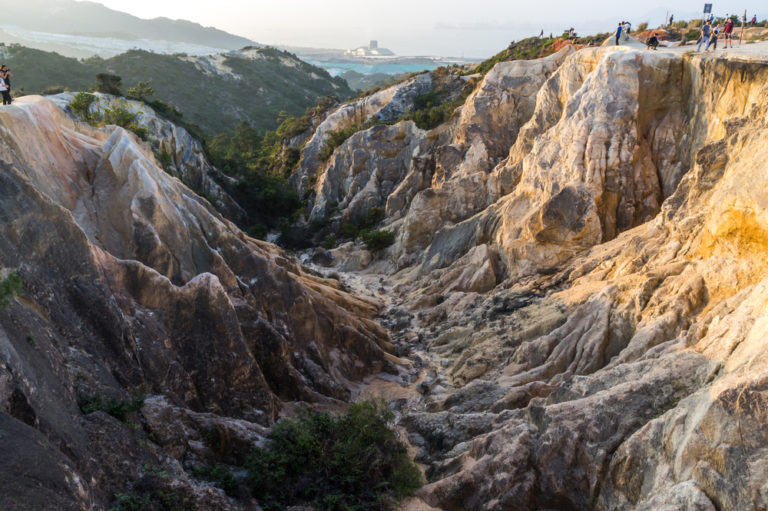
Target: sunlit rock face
x: 587, y: 273
x: 187, y: 159
x: 133, y: 283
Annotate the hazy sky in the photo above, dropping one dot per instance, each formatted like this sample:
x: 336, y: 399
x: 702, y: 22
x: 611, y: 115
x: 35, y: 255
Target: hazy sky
x: 473, y: 28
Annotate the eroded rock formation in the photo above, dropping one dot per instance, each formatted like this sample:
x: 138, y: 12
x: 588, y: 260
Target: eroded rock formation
x: 585, y: 273
x: 579, y: 282
x: 134, y: 284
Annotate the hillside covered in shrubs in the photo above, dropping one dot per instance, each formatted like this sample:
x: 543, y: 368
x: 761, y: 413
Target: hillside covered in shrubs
x: 215, y: 92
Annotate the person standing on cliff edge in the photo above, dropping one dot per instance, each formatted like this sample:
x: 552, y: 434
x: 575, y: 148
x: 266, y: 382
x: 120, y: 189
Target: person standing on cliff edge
x: 6, y: 75
x: 618, y: 33
x: 3, y: 88
x: 704, y: 36
x: 728, y: 32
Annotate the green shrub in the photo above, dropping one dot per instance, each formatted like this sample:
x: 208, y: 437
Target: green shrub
x: 108, y: 84
x: 293, y: 236
x: 9, y: 287
x: 150, y: 493
x: 372, y: 218
x: 350, y: 462
x: 349, y: 230
x: 164, y: 158
x: 432, y: 109
x: 291, y: 126
x: 220, y: 476
x: 488, y: 64
x: 377, y: 240
x: 141, y: 91
x: 117, y: 409
x: 329, y: 242
x: 335, y: 139
x: 258, y: 231
x: 81, y: 106
x: 120, y: 115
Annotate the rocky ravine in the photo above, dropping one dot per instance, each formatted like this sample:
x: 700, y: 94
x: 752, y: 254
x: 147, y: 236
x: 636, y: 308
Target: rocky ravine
x: 578, y: 280
x: 581, y: 250
x: 134, y: 284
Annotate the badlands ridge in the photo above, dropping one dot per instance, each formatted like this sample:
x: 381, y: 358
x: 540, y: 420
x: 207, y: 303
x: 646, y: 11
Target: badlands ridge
x: 572, y: 316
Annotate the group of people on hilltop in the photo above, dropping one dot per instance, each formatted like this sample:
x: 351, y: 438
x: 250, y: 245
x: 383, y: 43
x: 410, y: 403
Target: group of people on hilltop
x: 710, y: 34
x: 624, y: 28
x: 5, y: 84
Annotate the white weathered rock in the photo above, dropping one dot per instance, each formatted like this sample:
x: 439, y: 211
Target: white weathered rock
x: 188, y: 160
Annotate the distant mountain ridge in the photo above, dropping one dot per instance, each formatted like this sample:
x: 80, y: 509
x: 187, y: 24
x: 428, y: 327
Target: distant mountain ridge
x: 216, y: 92
x: 69, y: 17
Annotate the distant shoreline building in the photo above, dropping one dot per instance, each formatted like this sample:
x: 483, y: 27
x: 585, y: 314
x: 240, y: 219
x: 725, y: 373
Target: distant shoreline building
x: 372, y: 50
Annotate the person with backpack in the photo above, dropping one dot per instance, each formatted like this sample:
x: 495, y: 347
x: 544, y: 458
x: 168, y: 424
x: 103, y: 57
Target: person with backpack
x: 728, y: 32
x: 754, y: 20
x: 704, y: 36
x: 627, y: 30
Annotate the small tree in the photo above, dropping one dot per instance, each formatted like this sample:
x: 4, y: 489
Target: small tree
x: 109, y: 84
x: 141, y: 91
x: 9, y: 287
x: 348, y: 462
x: 81, y: 106
x: 377, y: 240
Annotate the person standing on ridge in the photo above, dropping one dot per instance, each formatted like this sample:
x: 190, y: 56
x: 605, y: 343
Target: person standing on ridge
x: 671, y: 19
x: 618, y: 32
x: 713, y: 39
x: 754, y: 20
x: 3, y: 89
x: 728, y: 32
x: 627, y: 30
x: 704, y: 36
x: 5, y: 77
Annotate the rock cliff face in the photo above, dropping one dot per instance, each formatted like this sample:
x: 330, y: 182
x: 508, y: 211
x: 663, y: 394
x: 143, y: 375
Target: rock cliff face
x: 581, y: 253
x: 579, y: 280
x: 134, y: 284
x: 188, y: 161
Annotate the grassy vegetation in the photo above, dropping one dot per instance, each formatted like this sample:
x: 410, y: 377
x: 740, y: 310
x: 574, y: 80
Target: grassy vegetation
x: 215, y: 102
x: 117, y: 409
x: 151, y: 493
x: 117, y: 114
x: 336, y: 138
x: 377, y: 240
x: 530, y: 48
x: 349, y: 462
x: 219, y: 476
x: 9, y: 287
x: 434, y: 108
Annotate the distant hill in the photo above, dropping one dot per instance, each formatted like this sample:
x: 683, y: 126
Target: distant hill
x: 95, y: 20
x: 215, y: 92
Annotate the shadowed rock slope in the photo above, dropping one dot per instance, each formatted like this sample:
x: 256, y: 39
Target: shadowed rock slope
x: 134, y: 284
x: 581, y: 263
